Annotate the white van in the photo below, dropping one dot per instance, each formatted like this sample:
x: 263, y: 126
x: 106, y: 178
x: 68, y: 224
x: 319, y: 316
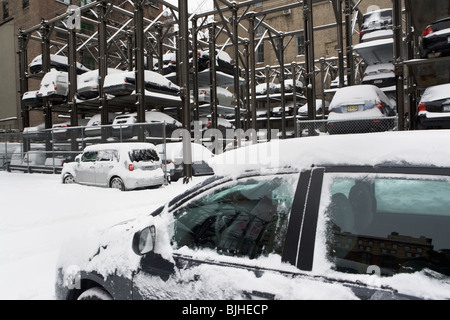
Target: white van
x: 55, y: 85
x: 123, y: 166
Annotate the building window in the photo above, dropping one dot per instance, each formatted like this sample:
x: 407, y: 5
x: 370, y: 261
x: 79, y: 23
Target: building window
x: 85, y: 2
x: 25, y: 4
x: 260, y: 53
x: 64, y: 1
x: 87, y: 28
x: 300, y: 45
x: 5, y: 9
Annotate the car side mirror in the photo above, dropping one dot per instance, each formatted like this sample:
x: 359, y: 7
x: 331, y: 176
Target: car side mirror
x: 144, y: 240
x: 77, y: 159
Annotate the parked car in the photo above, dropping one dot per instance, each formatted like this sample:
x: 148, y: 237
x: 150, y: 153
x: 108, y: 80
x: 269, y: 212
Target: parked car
x: 303, y: 110
x: 289, y: 86
x: 224, y: 96
x: 58, y: 62
x: 54, y: 85
x: 64, y: 131
x: 87, y: 85
x: 435, y: 39
x: 125, y: 127
x: 261, y: 89
x: 433, y: 110
x: 204, y: 126
x: 381, y: 75
x: 123, y: 166
x: 94, y: 125
x: 31, y: 99
x: 174, y: 159
x: 119, y: 84
x: 360, y: 108
x: 277, y: 111
x: 376, y: 25
x: 339, y: 218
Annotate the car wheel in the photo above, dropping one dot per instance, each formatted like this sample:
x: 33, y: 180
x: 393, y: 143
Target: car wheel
x: 95, y: 293
x: 68, y: 179
x: 117, y: 183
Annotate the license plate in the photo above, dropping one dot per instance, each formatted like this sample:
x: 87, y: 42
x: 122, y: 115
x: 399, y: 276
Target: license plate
x: 448, y: 39
x: 378, y: 81
x: 446, y: 108
x: 352, y: 108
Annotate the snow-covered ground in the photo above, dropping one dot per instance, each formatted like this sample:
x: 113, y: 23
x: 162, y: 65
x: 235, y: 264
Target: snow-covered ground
x: 38, y: 214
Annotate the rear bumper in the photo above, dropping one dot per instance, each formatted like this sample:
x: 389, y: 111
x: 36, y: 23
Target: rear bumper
x: 435, y: 121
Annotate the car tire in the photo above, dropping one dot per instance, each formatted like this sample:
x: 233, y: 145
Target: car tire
x: 68, y: 179
x: 95, y: 293
x: 117, y: 183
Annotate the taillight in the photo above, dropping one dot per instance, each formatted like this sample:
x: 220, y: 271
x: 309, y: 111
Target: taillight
x: 379, y: 105
x: 130, y: 167
x: 421, y: 107
x: 427, y: 31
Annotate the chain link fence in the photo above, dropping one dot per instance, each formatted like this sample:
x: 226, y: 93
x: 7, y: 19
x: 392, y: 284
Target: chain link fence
x: 348, y: 126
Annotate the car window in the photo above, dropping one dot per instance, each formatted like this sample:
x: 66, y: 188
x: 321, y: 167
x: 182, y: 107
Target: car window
x: 388, y: 223
x: 143, y: 155
x: 247, y: 218
x: 108, y: 155
x: 89, y: 156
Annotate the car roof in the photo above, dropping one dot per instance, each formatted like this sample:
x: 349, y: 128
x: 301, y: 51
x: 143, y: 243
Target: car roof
x: 415, y: 148
x: 120, y: 146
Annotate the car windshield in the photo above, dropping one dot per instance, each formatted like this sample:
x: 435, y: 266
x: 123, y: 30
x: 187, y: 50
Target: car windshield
x: 143, y: 155
x: 389, y: 224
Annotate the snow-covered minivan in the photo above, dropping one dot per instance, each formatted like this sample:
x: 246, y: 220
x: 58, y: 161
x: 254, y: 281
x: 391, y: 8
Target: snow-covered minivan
x: 123, y: 166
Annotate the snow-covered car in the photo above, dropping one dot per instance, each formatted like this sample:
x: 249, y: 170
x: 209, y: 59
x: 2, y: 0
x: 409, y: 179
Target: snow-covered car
x: 58, y: 62
x: 31, y: 99
x: 343, y: 217
x: 224, y: 96
x: 124, y: 83
x: 381, y: 75
x: 435, y: 40
x: 376, y: 24
x: 173, y: 154
x: 124, y: 166
x: 54, y: 85
x: 87, y: 85
x: 303, y: 110
x: 125, y: 126
x: 94, y: 125
x: 360, y: 108
x: 433, y: 110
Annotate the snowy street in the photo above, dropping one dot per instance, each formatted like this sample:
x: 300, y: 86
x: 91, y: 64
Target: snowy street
x: 39, y: 214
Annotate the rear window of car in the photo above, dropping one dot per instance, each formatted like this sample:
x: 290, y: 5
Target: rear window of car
x: 138, y: 155
x: 388, y: 224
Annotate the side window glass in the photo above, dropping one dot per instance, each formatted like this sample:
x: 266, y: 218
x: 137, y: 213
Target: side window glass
x: 248, y: 218
x: 89, y: 156
x: 388, y: 224
x: 107, y: 155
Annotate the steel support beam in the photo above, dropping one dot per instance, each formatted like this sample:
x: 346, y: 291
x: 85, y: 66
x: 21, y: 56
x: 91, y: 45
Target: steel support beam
x: 23, y: 65
x: 103, y: 64
x: 398, y: 60
x: 185, y: 91
x: 309, y: 59
x: 139, y: 68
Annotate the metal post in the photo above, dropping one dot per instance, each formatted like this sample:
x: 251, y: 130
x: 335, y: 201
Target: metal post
x: 398, y: 60
x: 252, y: 68
x: 185, y: 94
x: 309, y: 60
x: 140, y: 62
x: 348, y: 41
x: 294, y: 97
x: 212, y: 74
x: 338, y: 13
x: 247, y: 86
x: 269, y: 133
x: 282, y: 85
x: 195, y: 86
x: 23, y: 63
x: 73, y: 75
x: 102, y: 66
x: 235, y: 25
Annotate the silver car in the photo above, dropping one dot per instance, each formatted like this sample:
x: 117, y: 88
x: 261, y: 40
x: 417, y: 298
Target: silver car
x: 123, y: 166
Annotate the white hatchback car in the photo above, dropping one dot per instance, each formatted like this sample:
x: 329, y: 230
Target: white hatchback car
x: 123, y: 166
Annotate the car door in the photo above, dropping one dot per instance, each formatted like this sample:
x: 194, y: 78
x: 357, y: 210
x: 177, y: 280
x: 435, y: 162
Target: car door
x: 230, y: 244
x: 106, y: 161
x: 85, y: 169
